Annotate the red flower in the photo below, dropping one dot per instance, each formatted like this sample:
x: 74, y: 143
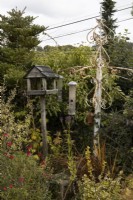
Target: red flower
x: 29, y: 147
x: 11, y: 186
x: 5, y: 154
x: 28, y: 153
x: 21, y: 179
x: 5, y: 188
x: 40, y: 155
x: 5, y: 134
x: 11, y: 157
x: 9, y: 144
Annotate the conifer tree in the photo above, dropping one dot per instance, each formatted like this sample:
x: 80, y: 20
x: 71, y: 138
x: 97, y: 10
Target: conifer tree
x: 108, y: 10
x: 18, y: 38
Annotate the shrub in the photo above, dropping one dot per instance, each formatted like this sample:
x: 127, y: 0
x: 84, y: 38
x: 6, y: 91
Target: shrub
x: 103, y: 188
x: 21, y: 178
x: 20, y: 175
x: 118, y: 136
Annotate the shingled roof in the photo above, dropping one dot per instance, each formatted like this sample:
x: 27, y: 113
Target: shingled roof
x: 38, y: 71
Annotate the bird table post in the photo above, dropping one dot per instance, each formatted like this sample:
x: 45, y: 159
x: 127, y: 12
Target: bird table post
x: 43, y: 126
x: 38, y: 80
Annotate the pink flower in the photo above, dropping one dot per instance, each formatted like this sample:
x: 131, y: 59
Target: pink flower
x: 5, y: 188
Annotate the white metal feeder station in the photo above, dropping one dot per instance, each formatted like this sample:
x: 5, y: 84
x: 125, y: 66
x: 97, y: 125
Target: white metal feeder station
x: 72, y: 98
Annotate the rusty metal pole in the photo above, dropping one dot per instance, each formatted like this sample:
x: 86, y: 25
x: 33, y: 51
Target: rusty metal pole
x: 43, y: 126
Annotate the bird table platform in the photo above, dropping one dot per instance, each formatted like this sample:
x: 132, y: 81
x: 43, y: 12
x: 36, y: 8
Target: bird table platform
x: 41, y: 80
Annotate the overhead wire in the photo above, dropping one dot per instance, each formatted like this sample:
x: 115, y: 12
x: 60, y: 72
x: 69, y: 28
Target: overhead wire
x: 80, y: 31
x: 86, y: 19
x: 81, y: 16
x: 78, y: 21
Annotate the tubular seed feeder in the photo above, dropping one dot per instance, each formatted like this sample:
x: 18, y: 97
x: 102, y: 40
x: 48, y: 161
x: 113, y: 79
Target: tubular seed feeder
x: 72, y: 98
x: 41, y: 80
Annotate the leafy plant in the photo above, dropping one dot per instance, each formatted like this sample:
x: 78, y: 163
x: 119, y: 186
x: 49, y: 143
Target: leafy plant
x: 20, y: 175
x: 22, y: 178
x: 16, y: 131
x: 103, y: 188
x: 118, y: 136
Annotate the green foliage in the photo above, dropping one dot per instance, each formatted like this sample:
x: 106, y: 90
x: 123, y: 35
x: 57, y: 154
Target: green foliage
x: 103, y: 188
x: 118, y: 136
x: 32, y: 181
x: 128, y: 188
x: 63, y: 60
x: 35, y: 142
x: 18, y: 38
x: 22, y: 178
x: 53, y: 106
x: 111, y: 92
x: 71, y: 163
x: 108, y: 11
x: 63, y: 57
x: 55, y: 145
x: 128, y: 106
x: 16, y: 130
x: 121, y: 54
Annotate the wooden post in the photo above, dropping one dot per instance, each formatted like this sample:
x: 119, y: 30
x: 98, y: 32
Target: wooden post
x: 28, y: 84
x: 54, y: 84
x: 44, y: 84
x: 43, y: 126
x: 59, y: 87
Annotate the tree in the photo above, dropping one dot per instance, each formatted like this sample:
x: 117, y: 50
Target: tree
x: 18, y: 38
x: 132, y: 11
x: 108, y: 10
x: 121, y: 55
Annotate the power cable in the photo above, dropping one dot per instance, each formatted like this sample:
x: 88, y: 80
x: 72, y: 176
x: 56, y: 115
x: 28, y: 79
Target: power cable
x: 68, y: 34
x: 80, y: 31
x: 125, y: 19
x: 86, y: 19
x: 73, y: 22
x: 69, y: 20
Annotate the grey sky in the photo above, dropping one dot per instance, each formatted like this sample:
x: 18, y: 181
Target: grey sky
x: 57, y: 12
